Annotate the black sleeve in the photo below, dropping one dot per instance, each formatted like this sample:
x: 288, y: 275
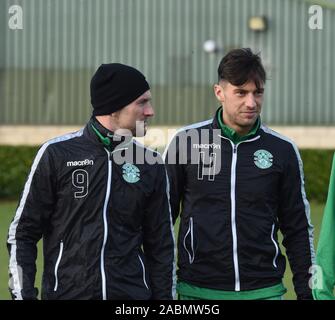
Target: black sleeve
x: 26, y: 228
x: 295, y: 224
x: 175, y: 171
x: 158, y: 242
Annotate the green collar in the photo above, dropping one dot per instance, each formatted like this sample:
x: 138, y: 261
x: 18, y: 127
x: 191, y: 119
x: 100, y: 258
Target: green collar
x: 105, y: 136
x: 231, y: 134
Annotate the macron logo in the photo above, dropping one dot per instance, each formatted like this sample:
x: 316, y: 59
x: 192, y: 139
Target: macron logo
x: 206, y: 146
x: 85, y: 162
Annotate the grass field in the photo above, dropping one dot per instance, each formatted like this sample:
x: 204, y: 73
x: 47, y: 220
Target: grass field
x: 6, y: 213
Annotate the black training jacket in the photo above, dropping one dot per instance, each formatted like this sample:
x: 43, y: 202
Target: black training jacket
x: 232, y: 200
x: 106, y: 227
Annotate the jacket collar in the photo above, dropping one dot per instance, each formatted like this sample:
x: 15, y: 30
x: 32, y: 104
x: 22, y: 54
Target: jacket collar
x: 230, y: 133
x: 104, y: 137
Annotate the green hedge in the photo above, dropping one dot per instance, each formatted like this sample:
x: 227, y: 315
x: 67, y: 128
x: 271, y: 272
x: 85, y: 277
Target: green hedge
x: 15, y: 164
x: 317, y: 166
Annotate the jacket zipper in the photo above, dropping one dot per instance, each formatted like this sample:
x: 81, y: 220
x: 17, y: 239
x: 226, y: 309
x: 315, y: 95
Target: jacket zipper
x: 190, y: 231
x: 57, y: 264
x: 143, y: 269
x: 233, y: 208
x: 233, y: 216
x: 276, y: 246
x: 104, y: 216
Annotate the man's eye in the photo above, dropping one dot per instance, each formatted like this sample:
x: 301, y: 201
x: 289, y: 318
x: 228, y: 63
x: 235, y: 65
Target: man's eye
x: 240, y: 93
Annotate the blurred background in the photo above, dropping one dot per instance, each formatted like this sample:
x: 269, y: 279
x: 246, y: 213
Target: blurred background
x: 50, y: 49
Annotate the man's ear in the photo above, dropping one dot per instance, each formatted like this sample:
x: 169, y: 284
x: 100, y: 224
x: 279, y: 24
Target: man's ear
x: 218, y: 91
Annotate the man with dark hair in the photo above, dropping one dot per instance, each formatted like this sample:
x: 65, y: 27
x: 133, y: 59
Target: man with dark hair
x: 104, y: 216
x: 235, y: 185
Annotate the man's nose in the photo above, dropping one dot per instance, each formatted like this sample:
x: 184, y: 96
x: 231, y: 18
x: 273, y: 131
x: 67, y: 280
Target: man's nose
x: 149, y: 111
x: 251, y: 101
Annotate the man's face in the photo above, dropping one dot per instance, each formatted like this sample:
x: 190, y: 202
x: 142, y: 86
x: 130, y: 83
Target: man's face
x: 134, y: 116
x: 241, y: 104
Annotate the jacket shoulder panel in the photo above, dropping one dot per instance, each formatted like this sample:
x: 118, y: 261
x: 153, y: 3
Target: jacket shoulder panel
x: 284, y: 141
x: 197, y: 126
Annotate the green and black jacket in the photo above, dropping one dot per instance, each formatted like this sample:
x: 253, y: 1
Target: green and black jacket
x: 233, y: 194
x: 105, y: 223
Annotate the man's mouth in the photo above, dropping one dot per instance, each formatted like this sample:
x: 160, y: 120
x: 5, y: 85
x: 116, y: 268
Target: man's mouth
x: 250, y: 113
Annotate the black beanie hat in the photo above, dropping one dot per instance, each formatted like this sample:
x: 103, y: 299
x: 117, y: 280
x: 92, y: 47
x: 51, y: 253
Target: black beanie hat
x: 114, y: 86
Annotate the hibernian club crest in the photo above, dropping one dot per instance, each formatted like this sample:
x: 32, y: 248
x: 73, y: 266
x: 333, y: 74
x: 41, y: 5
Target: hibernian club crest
x: 130, y: 173
x: 263, y: 159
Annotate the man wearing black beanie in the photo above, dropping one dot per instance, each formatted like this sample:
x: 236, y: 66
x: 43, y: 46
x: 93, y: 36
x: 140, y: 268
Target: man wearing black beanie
x: 101, y: 209
x: 114, y: 86
x: 121, y: 98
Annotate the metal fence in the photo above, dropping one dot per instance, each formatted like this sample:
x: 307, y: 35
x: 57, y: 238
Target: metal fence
x: 46, y: 66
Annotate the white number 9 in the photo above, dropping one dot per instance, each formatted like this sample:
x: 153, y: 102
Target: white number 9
x: 80, y: 181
